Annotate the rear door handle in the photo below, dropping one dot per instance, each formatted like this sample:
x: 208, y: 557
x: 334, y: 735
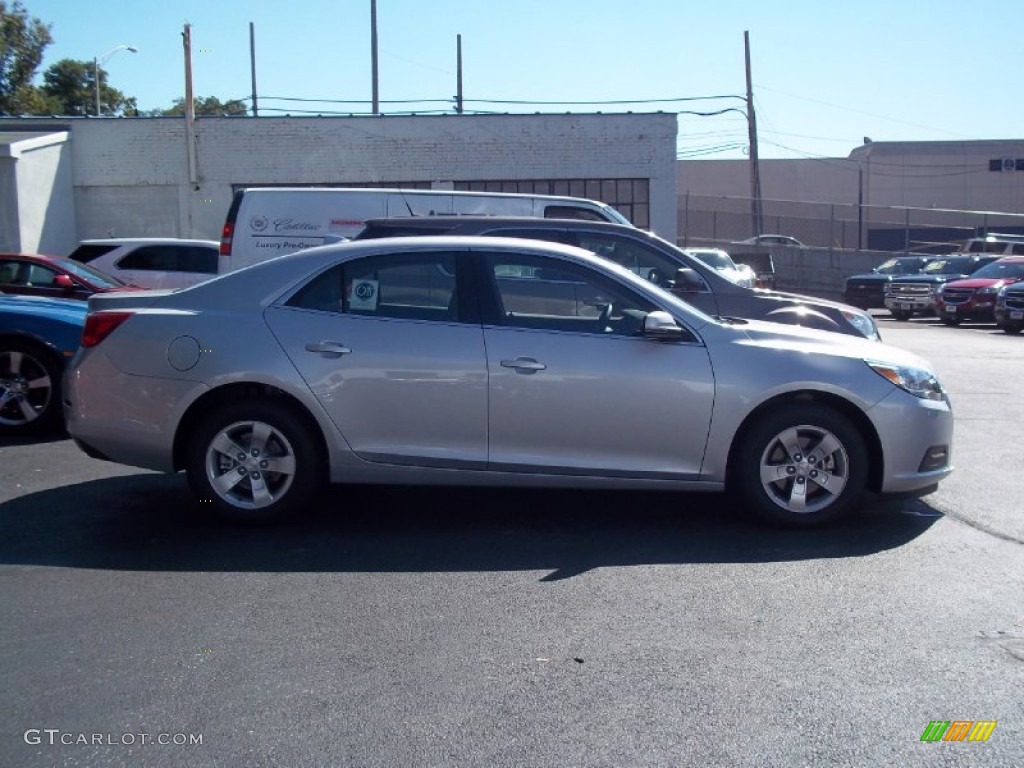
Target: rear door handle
x: 524, y: 365
x: 331, y: 349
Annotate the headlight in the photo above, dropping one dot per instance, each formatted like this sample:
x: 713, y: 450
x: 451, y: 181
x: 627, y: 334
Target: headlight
x: 916, y: 381
x: 1002, y: 291
x: 863, y: 323
x: 990, y: 289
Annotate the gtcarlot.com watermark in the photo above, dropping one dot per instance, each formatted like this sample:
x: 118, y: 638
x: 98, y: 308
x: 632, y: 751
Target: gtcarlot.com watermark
x: 55, y: 737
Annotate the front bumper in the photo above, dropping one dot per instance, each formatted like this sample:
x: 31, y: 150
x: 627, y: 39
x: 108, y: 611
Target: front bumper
x: 910, y: 303
x: 912, y: 432
x: 972, y: 309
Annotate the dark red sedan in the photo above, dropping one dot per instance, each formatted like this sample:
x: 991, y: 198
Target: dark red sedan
x: 38, y: 275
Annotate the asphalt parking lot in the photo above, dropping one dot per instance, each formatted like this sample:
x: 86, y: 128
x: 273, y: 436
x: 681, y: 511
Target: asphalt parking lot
x: 412, y: 626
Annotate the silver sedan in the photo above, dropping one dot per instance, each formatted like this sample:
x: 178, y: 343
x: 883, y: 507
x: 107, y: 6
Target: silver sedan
x: 491, y: 361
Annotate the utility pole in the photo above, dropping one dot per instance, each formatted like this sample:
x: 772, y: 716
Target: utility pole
x: 252, y: 66
x: 373, y: 56
x: 458, y: 76
x: 190, y: 114
x: 756, y: 214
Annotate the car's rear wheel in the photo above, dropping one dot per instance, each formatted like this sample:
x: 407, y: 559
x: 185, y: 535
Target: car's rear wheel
x: 29, y: 388
x: 802, y: 465
x: 254, y: 462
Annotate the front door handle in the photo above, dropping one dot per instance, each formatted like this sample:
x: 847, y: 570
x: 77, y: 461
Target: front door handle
x: 331, y: 349
x: 524, y: 365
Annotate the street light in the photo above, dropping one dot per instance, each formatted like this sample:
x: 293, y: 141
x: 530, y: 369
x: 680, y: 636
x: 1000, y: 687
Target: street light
x: 103, y: 60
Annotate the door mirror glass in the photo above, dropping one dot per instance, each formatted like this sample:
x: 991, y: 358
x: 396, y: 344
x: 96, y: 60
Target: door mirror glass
x: 688, y: 281
x: 662, y: 326
x: 64, y: 282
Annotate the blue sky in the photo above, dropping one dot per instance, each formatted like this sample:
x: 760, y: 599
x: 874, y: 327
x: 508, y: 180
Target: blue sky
x: 825, y: 74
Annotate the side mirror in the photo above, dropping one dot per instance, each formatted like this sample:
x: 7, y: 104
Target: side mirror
x: 64, y: 282
x: 688, y: 281
x: 661, y: 326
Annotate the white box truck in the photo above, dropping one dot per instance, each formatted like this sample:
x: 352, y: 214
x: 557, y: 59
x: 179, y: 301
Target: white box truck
x: 264, y: 222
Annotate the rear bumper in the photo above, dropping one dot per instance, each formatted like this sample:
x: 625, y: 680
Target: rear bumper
x: 117, y: 417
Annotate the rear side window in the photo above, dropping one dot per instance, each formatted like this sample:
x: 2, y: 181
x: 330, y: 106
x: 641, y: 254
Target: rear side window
x: 371, y: 232
x: 171, y: 258
x: 83, y: 254
x: 572, y: 212
x: 404, y: 286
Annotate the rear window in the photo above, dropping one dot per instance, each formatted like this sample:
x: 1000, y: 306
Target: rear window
x: 372, y: 232
x: 83, y: 254
x: 172, y: 258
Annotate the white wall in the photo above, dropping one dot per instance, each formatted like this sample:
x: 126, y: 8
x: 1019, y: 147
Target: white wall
x: 131, y: 174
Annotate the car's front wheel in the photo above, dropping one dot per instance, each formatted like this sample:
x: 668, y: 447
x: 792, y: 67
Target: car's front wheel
x: 29, y: 388
x: 801, y: 465
x: 1012, y: 330
x: 900, y: 314
x: 254, y: 462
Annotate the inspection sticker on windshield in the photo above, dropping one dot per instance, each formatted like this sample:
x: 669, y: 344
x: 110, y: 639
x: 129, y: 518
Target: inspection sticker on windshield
x: 364, y: 295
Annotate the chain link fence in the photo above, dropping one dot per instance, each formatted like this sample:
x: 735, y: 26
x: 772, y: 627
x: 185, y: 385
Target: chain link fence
x: 706, y: 220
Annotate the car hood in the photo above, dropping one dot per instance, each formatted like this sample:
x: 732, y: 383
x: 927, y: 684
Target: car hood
x: 871, y: 277
x: 812, y: 341
x: 939, y: 277
x: 810, y: 301
x: 978, y: 282
x: 70, y: 309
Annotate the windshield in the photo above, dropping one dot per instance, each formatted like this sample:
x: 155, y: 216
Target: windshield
x: 999, y: 270
x: 954, y: 266
x: 94, y: 276
x: 714, y: 259
x: 617, y: 217
x: 898, y: 267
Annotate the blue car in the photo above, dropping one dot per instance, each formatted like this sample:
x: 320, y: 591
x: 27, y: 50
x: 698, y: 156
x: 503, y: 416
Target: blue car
x: 37, y: 338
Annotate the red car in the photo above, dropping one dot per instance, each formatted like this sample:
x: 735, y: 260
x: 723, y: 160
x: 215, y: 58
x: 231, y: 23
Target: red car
x: 38, y: 275
x: 974, y: 297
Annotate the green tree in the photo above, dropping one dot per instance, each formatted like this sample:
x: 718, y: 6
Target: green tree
x: 71, y: 86
x: 22, y: 42
x: 210, y: 106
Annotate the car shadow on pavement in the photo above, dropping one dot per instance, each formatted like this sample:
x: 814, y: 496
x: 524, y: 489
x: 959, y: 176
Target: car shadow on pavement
x: 152, y: 522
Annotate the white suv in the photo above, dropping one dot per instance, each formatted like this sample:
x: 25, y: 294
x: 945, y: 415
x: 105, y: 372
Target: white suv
x: 152, y: 262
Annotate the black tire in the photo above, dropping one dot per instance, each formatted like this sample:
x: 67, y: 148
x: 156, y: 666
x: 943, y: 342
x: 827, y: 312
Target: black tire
x: 809, y: 425
x: 1012, y: 330
x: 902, y: 316
x: 950, y: 321
x: 30, y: 394
x: 260, y: 494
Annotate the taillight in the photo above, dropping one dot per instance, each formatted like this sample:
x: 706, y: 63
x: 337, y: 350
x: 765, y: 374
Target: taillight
x: 99, y: 325
x: 225, y: 238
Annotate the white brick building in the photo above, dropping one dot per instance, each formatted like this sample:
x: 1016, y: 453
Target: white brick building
x: 135, y: 176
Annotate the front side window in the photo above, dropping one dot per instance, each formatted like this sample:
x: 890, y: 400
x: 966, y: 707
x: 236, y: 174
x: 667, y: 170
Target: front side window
x: 405, y: 286
x: 642, y: 260
x: 550, y: 294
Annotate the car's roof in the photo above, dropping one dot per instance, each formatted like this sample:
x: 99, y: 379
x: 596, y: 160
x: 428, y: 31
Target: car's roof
x: 39, y: 256
x: 148, y: 241
x: 449, y: 221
